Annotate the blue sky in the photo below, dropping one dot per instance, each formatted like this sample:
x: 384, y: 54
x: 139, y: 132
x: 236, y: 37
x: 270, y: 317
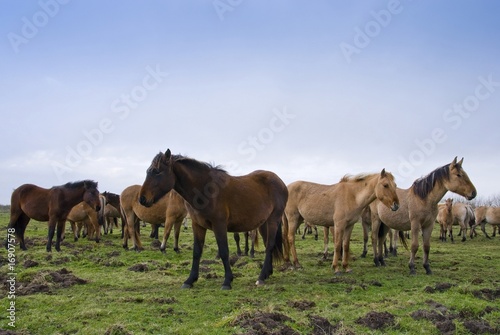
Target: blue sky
x: 311, y: 90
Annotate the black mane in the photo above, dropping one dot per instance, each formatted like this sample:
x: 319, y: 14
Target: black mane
x: 197, y: 164
x: 423, y: 186
x: 81, y: 183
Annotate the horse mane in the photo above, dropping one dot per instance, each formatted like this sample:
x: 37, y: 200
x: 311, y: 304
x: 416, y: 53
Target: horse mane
x: 423, y: 186
x: 356, y: 178
x: 81, y: 183
x: 197, y: 164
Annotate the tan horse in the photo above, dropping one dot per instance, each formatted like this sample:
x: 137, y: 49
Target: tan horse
x: 169, y: 210
x: 463, y: 216
x: 84, y: 214
x: 487, y: 214
x: 366, y: 224
x: 445, y: 219
x: 337, y: 205
x: 419, y: 208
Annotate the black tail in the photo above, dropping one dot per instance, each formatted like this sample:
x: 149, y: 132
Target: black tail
x: 402, y: 238
x: 278, y: 245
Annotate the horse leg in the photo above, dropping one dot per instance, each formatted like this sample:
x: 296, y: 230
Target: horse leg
x: 414, y: 248
x: 337, y: 245
x: 483, y: 228
x: 271, y: 233
x: 237, y: 240
x: 395, y: 240
x: 169, y: 222
x: 346, y: 253
x: 247, y: 247
x: 59, y: 233
x: 294, y: 224
x: 376, y: 231
x: 254, y: 236
x: 450, y: 232
x: 19, y: 222
x: 426, y: 237
x: 464, y: 232
x: 52, y: 228
x: 199, y: 234
x: 177, y: 232
x: 137, y: 237
x: 325, y: 242
x: 366, y: 231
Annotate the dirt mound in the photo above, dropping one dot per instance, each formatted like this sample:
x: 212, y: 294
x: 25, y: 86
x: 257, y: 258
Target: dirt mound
x: 376, y: 320
x: 440, y: 287
x: 46, y: 281
x: 141, y: 267
x: 443, y: 319
x: 264, y: 324
x: 302, y: 305
x: 322, y: 326
x: 487, y: 294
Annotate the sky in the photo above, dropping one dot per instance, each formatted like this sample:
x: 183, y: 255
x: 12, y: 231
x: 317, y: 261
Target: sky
x: 311, y: 90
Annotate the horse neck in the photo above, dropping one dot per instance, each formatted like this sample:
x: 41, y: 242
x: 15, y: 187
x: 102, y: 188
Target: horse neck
x: 365, y: 194
x: 436, y: 194
x: 194, y: 184
x: 73, y: 196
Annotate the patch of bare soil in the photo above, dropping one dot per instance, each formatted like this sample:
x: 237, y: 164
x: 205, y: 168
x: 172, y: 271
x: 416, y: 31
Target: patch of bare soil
x: 264, y: 324
x: 30, y: 263
x: 375, y: 320
x: 487, y: 294
x: 322, y: 326
x: 443, y: 319
x: 141, y: 267
x: 46, y: 281
x: 440, y: 287
x: 302, y: 305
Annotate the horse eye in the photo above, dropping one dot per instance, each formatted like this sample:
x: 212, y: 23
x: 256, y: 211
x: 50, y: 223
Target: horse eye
x: 459, y: 175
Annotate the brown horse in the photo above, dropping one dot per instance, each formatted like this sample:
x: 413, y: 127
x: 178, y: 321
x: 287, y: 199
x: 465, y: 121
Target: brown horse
x: 53, y: 205
x: 487, y: 214
x: 445, y: 219
x: 221, y: 203
x: 339, y: 205
x: 170, y: 210
x: 419, y: 208
x: 113, y: 200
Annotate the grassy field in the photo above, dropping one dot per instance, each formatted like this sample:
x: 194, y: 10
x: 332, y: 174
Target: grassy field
x: 91, y: 288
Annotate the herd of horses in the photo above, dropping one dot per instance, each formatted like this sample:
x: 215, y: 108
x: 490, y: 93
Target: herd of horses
x: 177, y: 186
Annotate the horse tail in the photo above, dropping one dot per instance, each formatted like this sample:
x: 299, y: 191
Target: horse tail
x: 382, y: 229
x: 278, y: 245
x: 402, y: 238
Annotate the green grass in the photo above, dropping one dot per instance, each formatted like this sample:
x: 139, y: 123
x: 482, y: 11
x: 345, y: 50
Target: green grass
x: 116, y: 300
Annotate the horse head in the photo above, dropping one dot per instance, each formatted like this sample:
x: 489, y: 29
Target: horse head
x: 385, y: 190
x: 458, y: 181
x: 160, y: 179
x: 91, y: 195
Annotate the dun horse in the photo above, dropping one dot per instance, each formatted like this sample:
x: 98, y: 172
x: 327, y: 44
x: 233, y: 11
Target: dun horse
x: 339, y: 205
x: 221, y: 203
x: 53, y: 205
x: 445, y: 219
x: 463, y: 216
x: 169, y: 210
x: 419, y: 208
x: 487, y: 214
x: 84, y: 214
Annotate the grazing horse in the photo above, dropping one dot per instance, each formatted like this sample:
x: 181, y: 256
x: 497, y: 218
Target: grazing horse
x: 419, y: 208
x: 463, y: 216
x: 29, y: 201
x: 338, y: 205
x: 221, y: 203
x: 84, y: 213
x: 445, y: 219
x: 170, y: 210
x: 487, y: 214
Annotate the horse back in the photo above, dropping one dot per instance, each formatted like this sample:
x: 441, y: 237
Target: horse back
x: 313, y: 202
x: 32, y: 200
x: 129, y: 201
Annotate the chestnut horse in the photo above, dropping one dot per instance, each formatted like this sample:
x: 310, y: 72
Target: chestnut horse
x: 53, y: 205
x: 221, y: 203
x: 339, y: 205
x: 170, y: 210
x: 419, y: 208
x: 487, y: 214
x: 84, y: 214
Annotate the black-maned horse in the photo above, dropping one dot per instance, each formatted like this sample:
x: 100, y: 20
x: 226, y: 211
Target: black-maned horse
x: 221, y: 203
x: 29, y: 201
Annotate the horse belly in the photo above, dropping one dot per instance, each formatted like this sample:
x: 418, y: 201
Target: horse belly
x: 38, y: 212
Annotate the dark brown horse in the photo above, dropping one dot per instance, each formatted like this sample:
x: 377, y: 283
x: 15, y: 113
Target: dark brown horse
x: 221, y: 203
x: 53, y: 205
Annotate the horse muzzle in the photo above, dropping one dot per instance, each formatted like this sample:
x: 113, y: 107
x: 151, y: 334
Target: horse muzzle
x: 143, y: 201
x: 472, y: 196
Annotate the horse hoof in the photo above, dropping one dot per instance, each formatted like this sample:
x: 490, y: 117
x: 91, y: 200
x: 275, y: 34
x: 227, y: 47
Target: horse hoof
x: 259, y: 282
x: 225, y: 287
x: 338, y: 273
x: 187, y: 285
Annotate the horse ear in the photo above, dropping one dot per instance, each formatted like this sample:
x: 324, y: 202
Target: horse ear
x: 460, y: 163
x: 382, y: 173
x: 454, y: 161
x: 168, y: 154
